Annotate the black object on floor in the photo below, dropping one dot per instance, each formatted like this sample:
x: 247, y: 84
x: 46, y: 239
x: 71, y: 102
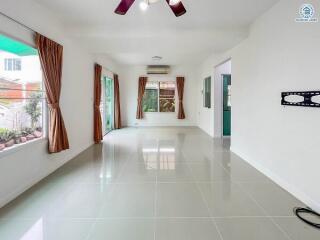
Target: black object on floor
x: 298, y: 212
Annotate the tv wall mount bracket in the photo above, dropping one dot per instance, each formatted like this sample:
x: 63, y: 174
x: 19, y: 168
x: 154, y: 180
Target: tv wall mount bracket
x: 306, y: 102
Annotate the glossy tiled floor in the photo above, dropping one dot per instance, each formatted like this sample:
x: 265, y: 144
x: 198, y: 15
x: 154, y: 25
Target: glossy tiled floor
x: 155, y: 184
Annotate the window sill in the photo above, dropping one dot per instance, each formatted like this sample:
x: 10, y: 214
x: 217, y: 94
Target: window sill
x: 19, y: 147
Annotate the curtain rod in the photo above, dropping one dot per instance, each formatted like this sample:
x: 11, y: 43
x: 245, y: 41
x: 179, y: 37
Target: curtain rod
x: 16, y: 21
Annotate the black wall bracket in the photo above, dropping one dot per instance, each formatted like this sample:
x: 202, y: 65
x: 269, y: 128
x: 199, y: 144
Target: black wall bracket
x: 306, y: 102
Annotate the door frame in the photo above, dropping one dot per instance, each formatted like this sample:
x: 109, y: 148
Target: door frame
x: 222, y: 107
x: 218, y: 96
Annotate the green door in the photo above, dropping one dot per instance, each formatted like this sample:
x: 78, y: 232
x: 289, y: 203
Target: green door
x: 226, y: 105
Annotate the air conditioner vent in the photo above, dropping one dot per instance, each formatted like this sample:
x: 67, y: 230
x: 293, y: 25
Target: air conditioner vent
x: 158, y: 69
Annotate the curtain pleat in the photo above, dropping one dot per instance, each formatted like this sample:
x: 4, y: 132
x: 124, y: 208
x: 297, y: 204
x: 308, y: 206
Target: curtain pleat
x: 141, y: 89
x: 51, y: 57
x: 180, y: 88
x: 97, y: 128
x: 117, y: 109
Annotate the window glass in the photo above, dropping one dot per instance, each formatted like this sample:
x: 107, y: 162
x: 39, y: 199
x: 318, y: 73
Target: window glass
x: 17, y: 64
x: 229, y: 95
x: 207, y: 93
x: 21, y: 93
x: 150, y: 98
x: 159, y: 97
x: 107, y: 104
x: 12, y: 64
x: 167, y: 96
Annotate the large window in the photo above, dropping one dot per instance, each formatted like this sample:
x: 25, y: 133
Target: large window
x: 159, y: 97
x: 21, y: 93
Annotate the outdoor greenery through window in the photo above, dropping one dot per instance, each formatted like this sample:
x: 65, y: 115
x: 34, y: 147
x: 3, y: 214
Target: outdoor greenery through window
x: 159, y: 97
x: 107, y: 104
x: 21, y: 94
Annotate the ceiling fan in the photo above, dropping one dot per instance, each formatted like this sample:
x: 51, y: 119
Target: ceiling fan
x: 176, y: 6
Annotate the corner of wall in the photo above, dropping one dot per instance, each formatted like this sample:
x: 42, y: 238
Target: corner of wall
x: 279, y: 180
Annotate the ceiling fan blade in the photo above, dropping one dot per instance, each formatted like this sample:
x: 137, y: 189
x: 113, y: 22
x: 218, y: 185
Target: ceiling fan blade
x: 177, y: 9
x: 124, y: 6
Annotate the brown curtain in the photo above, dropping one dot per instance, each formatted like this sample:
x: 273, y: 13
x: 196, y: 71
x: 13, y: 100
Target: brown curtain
x: 97, y: 128
x: 142, y: 88
x: 50, y: 54
x: 180, y: 88
x: 117, y: 110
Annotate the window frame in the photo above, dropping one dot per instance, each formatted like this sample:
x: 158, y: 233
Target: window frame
x: 44, y: 106
x: 158, y: 105
x: 158, y: 99
x: 12, y: 64
x: 207, y: 93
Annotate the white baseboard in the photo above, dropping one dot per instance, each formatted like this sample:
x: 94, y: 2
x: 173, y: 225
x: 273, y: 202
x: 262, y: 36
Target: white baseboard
x: 303, y: 197
x: 160, y: 126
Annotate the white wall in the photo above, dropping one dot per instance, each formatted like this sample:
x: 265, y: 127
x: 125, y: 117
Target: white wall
x: 224, y: 68
x: 108, y: 64
x: 283, y: 142
x: 210, y: 119
x: 129, y: 93
x: 22, y: 168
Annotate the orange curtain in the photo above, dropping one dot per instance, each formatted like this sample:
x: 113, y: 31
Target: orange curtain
x: 180, y: 88
x: 50, y: 54
x: 97, y: 128
x: 117, y: 110
x: 141, y: 89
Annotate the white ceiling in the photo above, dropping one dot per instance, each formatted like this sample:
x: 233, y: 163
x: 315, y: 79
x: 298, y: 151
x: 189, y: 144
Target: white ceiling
x: 208, y: 26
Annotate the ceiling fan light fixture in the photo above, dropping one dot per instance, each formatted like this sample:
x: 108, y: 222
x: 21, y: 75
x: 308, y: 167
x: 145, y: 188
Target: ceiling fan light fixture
x: 174, y: 2
x: 156, y: 58
x: 144, y: 5
x: 176, y: 6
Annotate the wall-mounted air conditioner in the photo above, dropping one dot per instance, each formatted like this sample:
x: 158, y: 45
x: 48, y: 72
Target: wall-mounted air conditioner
x: 158, y: 69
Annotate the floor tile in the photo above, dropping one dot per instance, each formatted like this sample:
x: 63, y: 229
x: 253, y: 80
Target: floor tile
x: 83, y: 201
x: 37, y: 202
x: 197, y: 157
x: 154, y: 183
x: 238, y: 169
x: 41, y: 229
x: 227, y: 199
x: 103, y: 174
x: 249, y: 229
x: 272, y: 198
x: 209, y: 172
x: 183, y: 229
x: 298, y: 230
x: 172, y: 172
x: 130, y: 200
x: 137, y: 173
x: 180, y: 200
x: 123, y: 229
